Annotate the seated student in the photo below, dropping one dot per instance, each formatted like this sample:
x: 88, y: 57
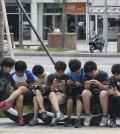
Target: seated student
x: 114, y: 99
x: 6, y: 66
x: 96, y: 87
x: 57, y: 82
x: 40, y: 81
x: 75, y: 84
x: 21, y: 80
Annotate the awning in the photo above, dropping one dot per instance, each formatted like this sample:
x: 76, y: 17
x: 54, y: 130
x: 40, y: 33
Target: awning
x: 14, y: 1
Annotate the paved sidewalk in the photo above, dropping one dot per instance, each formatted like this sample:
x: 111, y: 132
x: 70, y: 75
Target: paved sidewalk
x: 82, y: 50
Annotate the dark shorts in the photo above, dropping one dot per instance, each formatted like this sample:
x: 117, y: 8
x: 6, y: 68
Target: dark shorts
x: 95, y: 95
x: 3, y: 96
x: 77, y: 97
x: 28, y: 96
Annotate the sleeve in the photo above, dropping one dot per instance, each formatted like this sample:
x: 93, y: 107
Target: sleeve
x: 112, y: 81
x: 30, y: 77
x: 12, y: 82
x: 49, y: 80
x: 106, y: 79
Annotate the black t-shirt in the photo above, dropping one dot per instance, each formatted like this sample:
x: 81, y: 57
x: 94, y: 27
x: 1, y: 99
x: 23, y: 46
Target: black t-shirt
x: 102, y: 77
x: 53, y: 76
x: 4, y: 80
x: 115, y: 82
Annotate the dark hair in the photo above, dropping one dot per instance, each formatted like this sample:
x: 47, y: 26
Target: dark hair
x: 115, y: 69
x: 74, y: 65
x: 60, y: 65
x: 37, y: 69
x: 90, y: 66
x: 7, y: 62
x: 20, y: 66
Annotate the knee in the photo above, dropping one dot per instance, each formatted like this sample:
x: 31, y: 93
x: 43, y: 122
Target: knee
x: 85, y: 93
x: 20, y: 98
x: 38, y: 93
x: 52, y: 95
x: 103, y: 94
x: 23, y: 89
x: 70, y: 102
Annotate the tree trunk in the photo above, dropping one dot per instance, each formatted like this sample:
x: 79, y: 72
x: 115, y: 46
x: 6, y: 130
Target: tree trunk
x: 62, y: 44
x: 1, y: 33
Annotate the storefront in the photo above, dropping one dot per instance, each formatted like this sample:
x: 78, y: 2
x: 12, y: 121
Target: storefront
x: 96, y: 15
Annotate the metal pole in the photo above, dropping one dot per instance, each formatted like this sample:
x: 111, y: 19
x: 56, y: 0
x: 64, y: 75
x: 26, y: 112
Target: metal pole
x: 87, y: 22
x: 106, y: 25
x: 7, y: 29
x: 35, y: 31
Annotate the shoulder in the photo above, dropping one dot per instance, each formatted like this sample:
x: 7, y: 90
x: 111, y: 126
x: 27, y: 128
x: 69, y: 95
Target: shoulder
x: 101, y: 72
x: 28, y: 72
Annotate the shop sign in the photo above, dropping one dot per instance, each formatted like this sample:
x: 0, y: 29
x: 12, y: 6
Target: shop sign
x: 74, y: 8
x: 101, y: 10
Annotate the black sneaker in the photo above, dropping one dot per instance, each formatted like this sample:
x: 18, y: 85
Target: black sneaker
x: 33, y: 122
x: 77, y: 123
x: 44, y: 115
x: 67, y: 123
x: 112, y: 123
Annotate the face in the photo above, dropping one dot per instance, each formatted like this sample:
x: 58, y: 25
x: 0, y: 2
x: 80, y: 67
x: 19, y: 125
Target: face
x: 117, y: 76
x: 40, y: 76
x: 59, y: 73
x: 93, y: 74
x: 7, y: 69
x: 20, y: 73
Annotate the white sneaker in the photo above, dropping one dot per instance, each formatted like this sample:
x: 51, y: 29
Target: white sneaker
x: 60, y: 116
x: 104, y: 121
x: 87, y: 120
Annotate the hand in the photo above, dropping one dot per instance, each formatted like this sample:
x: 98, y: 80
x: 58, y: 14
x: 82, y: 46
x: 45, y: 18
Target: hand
x: 87, y: 85
x: 55, y: 82
x: 62, y: 83
x: 78, y: 84
x: 95, y: 82
x: 69, y: 82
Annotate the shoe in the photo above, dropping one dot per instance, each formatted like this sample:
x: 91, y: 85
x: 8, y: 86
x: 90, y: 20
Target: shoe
x: 77, y: 123
x: 2, y: 104
x: 33, y: 122
x: 60, y: 116
x: 112, y: 123
x: 54, y: 122
x: 104, y: 122
x: 67, y: 123
x: 44, y: 115
x: 87, y: 120
x: 21, y: 121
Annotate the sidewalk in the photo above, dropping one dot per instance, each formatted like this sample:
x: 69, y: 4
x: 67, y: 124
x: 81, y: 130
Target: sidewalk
x: 82, y: 51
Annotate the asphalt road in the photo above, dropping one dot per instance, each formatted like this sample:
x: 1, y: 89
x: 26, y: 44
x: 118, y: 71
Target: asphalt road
x: 103, y: 63
x: 9, y: 127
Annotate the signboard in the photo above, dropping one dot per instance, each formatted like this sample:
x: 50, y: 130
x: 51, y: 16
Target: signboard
x: 73, y: 8
x: 101, y: 10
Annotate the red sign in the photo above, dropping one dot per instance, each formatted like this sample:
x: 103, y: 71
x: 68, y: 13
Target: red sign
x: 73, y: 8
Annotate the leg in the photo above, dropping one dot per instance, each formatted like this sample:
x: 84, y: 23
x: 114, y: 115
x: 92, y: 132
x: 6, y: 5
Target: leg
x: 36, y: 108
x: 16, y: 93
x: 104, y: 102
x: 19, y: 106
x: 86, y: 96
x: 69, y: 107
x: 10, y: 104
x: 78, y: 108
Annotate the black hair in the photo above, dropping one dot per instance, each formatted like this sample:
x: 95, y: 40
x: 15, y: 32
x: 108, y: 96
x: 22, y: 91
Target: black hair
x: 37, y: 69
x: 7, y: 62
x: 60, y: 65
x: 115, y: 69
x: 90, y: 66
x: 20, y: 66
x: 74, y: 65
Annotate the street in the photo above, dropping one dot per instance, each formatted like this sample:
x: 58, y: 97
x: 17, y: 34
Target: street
x: 103, y: 63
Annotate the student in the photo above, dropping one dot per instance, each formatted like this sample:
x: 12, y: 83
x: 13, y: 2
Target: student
x: 114, y: 99
x: 21, y: 80
x: 57, y: 82
x: 96, y: 87
x: 6, y: 66
x: 76, y: 74
x: 40, y: 81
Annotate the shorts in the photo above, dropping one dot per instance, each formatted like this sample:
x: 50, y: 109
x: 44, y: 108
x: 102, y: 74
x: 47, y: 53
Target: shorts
x: 3, y: 96
x: 61, y: 97
x: 28, y: 96
x: 95, y: 95
x: 74, y: 98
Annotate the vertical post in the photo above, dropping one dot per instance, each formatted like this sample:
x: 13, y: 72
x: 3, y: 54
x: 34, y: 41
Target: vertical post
x: 7, y: 29
x: 87, y: 22
x: 106, y: 25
